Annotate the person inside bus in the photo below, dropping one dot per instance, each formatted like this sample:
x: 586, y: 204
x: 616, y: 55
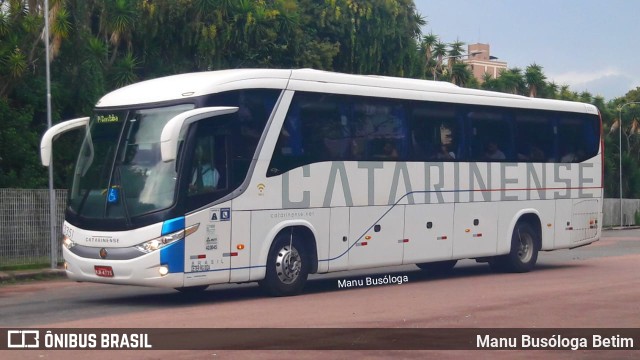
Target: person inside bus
x: 536, y: 154
x: 570, y: 154
x: 446, y: 150
x: 388, y: 151
x: 205, y: 176
x: 492, y: 152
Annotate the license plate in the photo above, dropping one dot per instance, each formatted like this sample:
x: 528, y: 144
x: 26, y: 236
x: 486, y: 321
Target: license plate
x: 104, y: 271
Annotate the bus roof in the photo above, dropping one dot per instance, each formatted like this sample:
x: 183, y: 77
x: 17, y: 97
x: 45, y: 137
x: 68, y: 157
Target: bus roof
x: 190, y: 85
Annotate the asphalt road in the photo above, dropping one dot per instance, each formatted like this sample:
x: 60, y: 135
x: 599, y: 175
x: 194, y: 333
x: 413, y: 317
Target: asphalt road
x: 597, y: 286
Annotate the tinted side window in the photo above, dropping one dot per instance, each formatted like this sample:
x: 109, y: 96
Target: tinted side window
x: 435, y: 132
x: 578, y: 137
x: 534, y: 137
x: 327, y: 127
x: 490, y: 138
x: 379, y: 130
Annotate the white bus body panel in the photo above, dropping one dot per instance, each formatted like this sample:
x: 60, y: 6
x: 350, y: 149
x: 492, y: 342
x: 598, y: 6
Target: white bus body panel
x: 475, y: 231
x: 207, y: 251
x: 429, y: 231
x: 142, y: 270
x: 267, y: 224
x: 340, y: 241
x: 378, y: 233
x: 241, y: 244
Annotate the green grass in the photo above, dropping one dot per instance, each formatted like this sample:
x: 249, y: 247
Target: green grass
x: 18, y: 264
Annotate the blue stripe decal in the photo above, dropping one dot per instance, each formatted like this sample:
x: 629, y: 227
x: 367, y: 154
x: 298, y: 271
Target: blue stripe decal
x: 173, y: 225
x: 172, y: 256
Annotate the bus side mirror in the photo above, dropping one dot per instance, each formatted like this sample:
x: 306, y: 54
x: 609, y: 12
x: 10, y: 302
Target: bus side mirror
x: 47, y: 139
x: 171, y: 132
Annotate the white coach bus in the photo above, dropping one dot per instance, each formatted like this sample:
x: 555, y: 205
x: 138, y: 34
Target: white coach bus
x: 270, y: 175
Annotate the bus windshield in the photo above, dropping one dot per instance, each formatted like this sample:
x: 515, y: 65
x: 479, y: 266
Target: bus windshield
x: 119, y: 172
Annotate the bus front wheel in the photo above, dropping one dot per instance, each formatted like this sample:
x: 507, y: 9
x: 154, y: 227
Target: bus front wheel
x: 287, y: 267
x: 525, y: 244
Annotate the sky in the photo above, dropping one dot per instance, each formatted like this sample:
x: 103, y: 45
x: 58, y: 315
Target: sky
x: 590, y: 45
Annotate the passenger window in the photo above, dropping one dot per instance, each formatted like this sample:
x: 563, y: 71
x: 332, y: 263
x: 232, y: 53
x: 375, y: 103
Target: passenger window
x: 533, y: 143
x: 435, y: 133
x: 380, y: 132
x: 327, y: 127
x: 314, y: 130
x: 577, y: 138
x: 490, y: 138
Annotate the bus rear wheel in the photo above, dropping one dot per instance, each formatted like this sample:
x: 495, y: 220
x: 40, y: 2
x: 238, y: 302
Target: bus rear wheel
x: 287, y: 267
x: 438, y: 267
x: 525, y: 244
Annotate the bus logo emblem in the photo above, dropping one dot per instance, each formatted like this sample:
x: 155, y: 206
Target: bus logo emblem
x: 103, y: 253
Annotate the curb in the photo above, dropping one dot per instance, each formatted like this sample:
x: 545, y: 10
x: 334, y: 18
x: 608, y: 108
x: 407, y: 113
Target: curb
x: 31, y: 274
x: 616, y: 228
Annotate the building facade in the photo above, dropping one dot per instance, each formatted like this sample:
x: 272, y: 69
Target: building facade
x: 481, y: 62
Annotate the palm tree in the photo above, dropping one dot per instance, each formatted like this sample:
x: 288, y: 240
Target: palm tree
x: 460, y: 74
x: 439, y: 52
x: 534, y: 78
x: 586, y: 97
x: 428, y: 41
x: 566, y: 93
x: 551, y: 90
x: 117, y: 24
x: 489, y: 82
x: 511, y: 80
x: 456, y: 50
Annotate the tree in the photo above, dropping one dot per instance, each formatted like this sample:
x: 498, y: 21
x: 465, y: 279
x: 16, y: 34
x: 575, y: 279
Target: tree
x: 535, y: 79
x: 428, y: 42
x: 455, y: 51
x: 511, y: 81
x: 439, y: 52
x: 461, y: 74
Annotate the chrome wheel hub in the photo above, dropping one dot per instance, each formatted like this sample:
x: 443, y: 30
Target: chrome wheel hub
x: 288, y: 264
x: 525, y: 251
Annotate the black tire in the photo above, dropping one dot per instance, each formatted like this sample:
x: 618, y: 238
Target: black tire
x: 287, y: 267
x: 438, y: 267
x: 525, y: 244
x: 192, y: 289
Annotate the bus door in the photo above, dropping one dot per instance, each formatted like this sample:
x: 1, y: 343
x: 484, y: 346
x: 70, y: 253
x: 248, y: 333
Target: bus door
x: 201, y: 139
x: 208, y: 174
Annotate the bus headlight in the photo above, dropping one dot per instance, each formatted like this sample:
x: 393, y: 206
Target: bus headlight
x: 68, y: 243
x: 162, y: 241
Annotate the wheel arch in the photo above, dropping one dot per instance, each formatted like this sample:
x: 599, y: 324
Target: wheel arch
x: 302, y: 230
x: 531, y: 217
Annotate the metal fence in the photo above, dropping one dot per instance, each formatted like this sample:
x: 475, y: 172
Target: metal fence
x: 611, y: 212
x: 24, y: 226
